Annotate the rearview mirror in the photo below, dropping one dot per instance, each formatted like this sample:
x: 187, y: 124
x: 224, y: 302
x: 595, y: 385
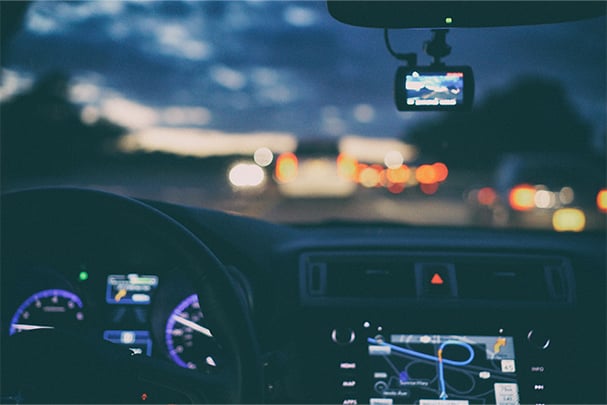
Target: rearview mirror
x: 446, y: 14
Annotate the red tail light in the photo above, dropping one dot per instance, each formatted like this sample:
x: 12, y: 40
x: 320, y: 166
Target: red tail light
x: 286, y: 167
x: 522, y: 197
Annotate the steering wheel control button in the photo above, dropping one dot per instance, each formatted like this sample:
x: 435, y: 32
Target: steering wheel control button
x: 343, y: 336
x: 538, y: 339
x: 435, y: 280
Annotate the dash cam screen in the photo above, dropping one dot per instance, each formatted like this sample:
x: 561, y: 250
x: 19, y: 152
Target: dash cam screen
x: 434, y: 89
x: 441, y: 369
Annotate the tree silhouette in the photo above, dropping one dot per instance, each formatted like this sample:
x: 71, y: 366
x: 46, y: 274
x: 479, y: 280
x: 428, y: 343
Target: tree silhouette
x: 42, y: 132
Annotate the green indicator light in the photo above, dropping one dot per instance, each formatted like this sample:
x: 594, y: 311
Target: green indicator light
x: 448, y: 20
x: 83, y: 276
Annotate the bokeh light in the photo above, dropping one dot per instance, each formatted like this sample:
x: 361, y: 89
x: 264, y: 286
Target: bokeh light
x: 569, y: 220
x: 522, y: 197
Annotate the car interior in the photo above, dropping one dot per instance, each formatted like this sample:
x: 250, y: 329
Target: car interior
x: 112, y: 296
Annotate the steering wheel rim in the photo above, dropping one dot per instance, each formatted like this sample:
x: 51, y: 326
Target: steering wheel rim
x: 224, y: 308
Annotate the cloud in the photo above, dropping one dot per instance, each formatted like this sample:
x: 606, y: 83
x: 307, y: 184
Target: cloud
x: 176, y: 40
x: 128, y: 113
x: 299, y: 16
x: 13, y: 83
x: 228, y: 77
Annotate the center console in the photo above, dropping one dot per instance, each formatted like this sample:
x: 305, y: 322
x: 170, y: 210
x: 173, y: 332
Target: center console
x: 442, y: 330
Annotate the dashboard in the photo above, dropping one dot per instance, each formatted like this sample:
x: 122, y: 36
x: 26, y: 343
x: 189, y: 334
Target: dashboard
x: 225, y: 308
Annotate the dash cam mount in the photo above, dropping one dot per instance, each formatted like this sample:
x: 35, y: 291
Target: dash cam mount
x: 437, y: 47
x: 435, y: 87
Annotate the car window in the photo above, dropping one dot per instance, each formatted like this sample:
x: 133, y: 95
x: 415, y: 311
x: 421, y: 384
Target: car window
x: 275, y: 110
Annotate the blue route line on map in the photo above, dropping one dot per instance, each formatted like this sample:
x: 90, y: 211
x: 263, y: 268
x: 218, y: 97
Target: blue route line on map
x: 438, y: 358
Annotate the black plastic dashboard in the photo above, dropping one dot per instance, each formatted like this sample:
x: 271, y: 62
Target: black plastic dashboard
x: 341, y: 313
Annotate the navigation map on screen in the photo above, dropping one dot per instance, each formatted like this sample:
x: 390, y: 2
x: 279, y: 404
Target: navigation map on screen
x: 443, y: 369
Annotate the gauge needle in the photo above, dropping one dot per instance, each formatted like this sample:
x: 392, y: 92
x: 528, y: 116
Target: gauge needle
x: 193, y: 325
x: 23, y: 326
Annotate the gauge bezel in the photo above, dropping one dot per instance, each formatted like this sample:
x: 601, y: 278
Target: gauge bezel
x: 40, y: 295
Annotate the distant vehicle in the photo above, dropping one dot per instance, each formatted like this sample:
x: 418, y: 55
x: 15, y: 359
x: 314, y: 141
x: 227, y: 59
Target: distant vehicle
x: 542, y: 191
x: 316, y: 169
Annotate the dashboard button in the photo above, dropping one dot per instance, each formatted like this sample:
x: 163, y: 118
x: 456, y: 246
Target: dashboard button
x: 348, y: 383
x: 343, y: 336
x: 346, y: 365
x: 436, y: 280
x: 538, y: 339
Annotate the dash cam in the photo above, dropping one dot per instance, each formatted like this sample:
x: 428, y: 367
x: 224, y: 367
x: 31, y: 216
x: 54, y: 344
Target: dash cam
x: 434, y: 88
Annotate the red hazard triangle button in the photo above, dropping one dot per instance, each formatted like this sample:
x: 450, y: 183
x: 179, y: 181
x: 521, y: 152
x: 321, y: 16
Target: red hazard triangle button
x: 437, y: 279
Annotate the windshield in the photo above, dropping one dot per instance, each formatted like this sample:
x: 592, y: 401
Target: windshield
x: 275, y: 110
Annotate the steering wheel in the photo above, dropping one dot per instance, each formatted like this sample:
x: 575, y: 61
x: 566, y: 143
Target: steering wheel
x: 67, y: 367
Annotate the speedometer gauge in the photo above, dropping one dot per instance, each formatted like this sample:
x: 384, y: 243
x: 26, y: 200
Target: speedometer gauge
x: 189, y: 342
x: 47, y: 309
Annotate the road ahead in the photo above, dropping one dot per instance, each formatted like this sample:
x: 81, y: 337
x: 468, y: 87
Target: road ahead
x: 210, y: 188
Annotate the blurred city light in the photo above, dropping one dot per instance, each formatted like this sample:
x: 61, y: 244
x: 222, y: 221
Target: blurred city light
x: 568, y: 219
x: 486, y: 196
x: 393, y: 159
x: 396, y: 188
x: 263, y: 156
x: 426, y: 174
x: 441, y: 171
x: 246, y: 175
x: 346, y: 166
x: 286, y: 167
x: 522, y: 197
x: 601, y: 200
x: 428, y: 188
x: 544, y: 199
x: 398, y: 175
x: 566, y: 195
x: 369, y: 176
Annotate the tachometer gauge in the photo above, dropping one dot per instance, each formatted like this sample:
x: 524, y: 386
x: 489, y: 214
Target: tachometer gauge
x: 190, y: 343
x: 47, y: 309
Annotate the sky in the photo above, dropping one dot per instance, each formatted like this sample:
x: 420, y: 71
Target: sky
x: 275, y: 67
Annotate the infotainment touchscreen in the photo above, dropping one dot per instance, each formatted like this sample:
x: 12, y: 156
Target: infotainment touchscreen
x: 443, y: 370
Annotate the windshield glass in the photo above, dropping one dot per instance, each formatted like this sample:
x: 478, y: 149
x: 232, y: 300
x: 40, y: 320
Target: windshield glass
x: 275, y: 110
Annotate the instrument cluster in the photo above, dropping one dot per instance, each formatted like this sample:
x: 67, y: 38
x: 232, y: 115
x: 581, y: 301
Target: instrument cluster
x: 153, y: 314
